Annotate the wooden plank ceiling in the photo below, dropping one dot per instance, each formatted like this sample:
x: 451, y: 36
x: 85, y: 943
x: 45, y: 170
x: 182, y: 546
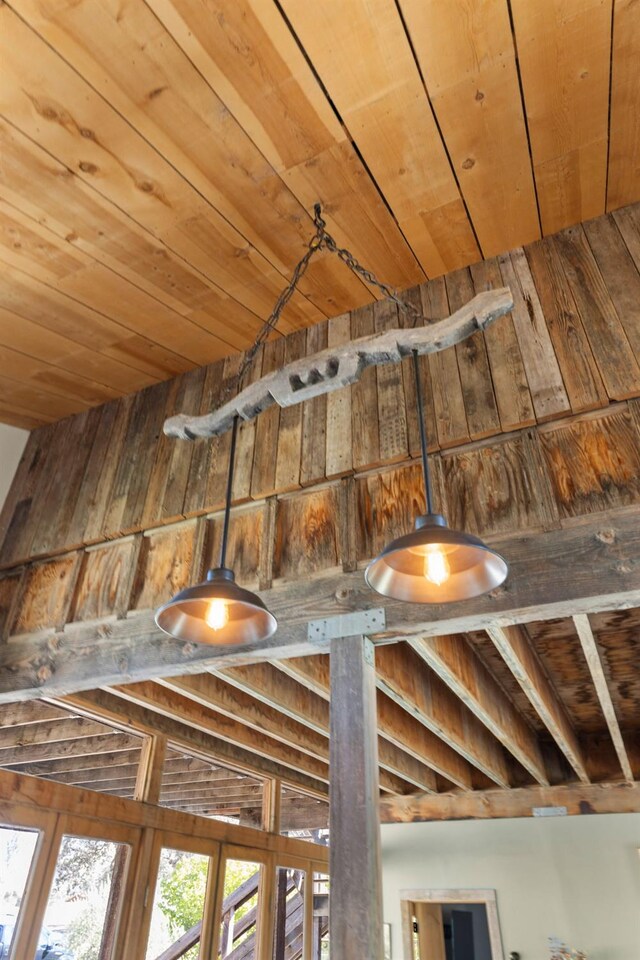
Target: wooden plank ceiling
x: 160, y: 158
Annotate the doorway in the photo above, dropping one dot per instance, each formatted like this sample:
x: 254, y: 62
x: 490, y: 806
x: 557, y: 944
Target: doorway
x: 451, y: 925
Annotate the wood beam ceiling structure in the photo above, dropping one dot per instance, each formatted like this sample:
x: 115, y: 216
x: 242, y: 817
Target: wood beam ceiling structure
x: 156, y: 185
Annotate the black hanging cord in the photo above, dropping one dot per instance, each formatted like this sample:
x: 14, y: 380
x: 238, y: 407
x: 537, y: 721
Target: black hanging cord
x: 423, y: 435
x: 227, y: 505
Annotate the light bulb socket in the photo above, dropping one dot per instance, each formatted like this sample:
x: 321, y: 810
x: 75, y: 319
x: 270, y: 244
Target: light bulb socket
x: 429, y: 520
x: 217, y: 574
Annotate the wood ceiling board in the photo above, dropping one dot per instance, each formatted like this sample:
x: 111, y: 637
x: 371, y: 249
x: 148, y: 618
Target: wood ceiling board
x: 623, y: 184
x: 556, y: 643
x: 365, y: 62
x: 48, y: 192
x: 255, y: 65
x: 564, y: 58
x: 89, y: 136
x: 466, y: 53
x: 618, y: 637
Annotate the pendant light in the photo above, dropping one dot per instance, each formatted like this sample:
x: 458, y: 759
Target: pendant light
x: 434, y: 564
x: 218, y: 611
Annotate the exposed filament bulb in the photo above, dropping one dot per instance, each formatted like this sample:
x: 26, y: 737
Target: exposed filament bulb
x: 436, y: 566
x: 217, y: 615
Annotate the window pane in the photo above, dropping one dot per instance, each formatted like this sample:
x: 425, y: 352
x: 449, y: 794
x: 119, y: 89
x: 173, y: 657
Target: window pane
x: 320, y: 944
x: 304, y: 817
x: 16, y: 856
x: 178, y: 904
x: 239, y: 910
x: 289, y: 914
x: 82, y: 910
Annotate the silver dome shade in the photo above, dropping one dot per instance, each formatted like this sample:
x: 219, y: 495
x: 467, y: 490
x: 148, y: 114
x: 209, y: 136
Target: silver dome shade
x: 244, y: 618
x: 469, y: 568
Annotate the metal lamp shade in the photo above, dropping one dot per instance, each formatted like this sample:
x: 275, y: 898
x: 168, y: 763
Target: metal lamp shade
x: 247, y: 618
x: 399, y: 571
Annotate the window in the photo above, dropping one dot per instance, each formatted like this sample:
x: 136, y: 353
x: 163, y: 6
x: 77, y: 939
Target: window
x: 17, y: 848
x: 197, y: 786
x: 288, y: 934
x: 304, y: 817
x: 239, y: 915
x: 320, y: 941
x: 178, y: 904
x: 82, y: 910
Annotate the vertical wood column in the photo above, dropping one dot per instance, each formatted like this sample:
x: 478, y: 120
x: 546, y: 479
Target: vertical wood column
x: 355, y: 911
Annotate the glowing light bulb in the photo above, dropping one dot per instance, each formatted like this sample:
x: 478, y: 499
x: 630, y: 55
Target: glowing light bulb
x: 217, y: 614
x: 436, y: 567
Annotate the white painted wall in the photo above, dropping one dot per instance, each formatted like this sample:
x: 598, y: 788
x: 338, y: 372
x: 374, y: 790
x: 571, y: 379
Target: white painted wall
x: 12, y: 443
x: 577, y: 878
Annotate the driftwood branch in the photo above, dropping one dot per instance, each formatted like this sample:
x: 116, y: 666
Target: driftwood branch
x: 338, y: 367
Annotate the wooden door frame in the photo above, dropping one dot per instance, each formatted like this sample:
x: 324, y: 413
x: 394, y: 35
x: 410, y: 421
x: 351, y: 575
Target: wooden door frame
x: 450, y: 895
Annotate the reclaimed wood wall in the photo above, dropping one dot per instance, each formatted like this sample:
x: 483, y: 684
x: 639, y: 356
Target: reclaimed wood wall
x: 501, y: 418
x: 540, y: 478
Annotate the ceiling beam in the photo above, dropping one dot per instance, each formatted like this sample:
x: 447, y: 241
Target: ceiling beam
x: 594, y: 662
x: 394, y: 723
x: 282, y: 710
x: 583, y: 568
x: 403, y: 677
x: 575, y: 799
x: 188, y: 734
x: 464, y: 672
x: 522, y: 659
x: 58, y: 750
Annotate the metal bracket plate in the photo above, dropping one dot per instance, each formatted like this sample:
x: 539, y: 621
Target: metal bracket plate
x: 362, y: 623
x: 549, y: 811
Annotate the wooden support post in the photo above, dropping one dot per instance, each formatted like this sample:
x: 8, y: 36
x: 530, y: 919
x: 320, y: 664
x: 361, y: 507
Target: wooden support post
x: 271, y: 801
x: 149, y: 778
x: 355, y: 886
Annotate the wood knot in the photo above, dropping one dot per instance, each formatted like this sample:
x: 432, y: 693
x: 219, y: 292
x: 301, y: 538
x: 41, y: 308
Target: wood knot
x: 44, y: 673
x: 145, y: 186
x: 468, y: 163
x: 71, y: 237
x: 479, y: 95
x: 87, y: 167
x: 343, y: 593
x: 606, y: 536
x: 87, y: 133
x: 624, y: 566
x: 104, y: 630
x: 188, y: 649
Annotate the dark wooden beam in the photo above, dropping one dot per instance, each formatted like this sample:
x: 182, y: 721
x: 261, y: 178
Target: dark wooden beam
x: 584, y: 568
x: 356, y: 875
x: 578, y: 799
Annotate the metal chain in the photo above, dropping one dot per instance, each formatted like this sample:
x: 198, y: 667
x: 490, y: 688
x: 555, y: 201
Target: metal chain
x: 320, y: 239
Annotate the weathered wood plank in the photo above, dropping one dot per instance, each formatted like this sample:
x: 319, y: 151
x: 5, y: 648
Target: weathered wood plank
x: 290, y: 429
x: 593, y: 463
x: 307, y: 533
x: 543, y: 373
x: 448, y: 401
x: 263, y: 477
x: 314, y: 419
x: 364, y: 399
x: 580, y: 372
x: 613, y: 353
x: 339, y: 434
x: 579, y: 800
x: 392, y: 417
x: 587, y: 567
x: 473, y: 364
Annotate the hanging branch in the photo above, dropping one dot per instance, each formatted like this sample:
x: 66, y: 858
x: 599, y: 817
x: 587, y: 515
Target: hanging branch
x: 338, y: 367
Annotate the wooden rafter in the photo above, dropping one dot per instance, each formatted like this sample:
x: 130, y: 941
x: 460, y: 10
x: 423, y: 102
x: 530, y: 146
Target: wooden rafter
x: 463, y: 671
x: 594, y: 661
x: 523, y: 661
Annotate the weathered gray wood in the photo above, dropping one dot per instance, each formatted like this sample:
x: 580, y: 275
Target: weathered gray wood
x: 585, y: 568
x: 355, y: 893
x: 334, y: 368
x: 579, y: 799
